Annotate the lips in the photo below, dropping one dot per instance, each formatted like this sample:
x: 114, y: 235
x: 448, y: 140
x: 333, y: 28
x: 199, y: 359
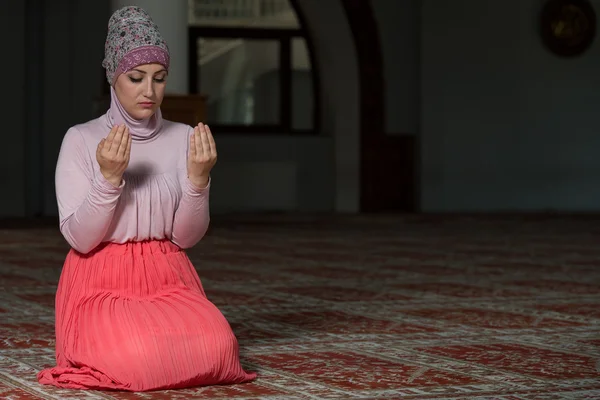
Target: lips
x: 147, y: 103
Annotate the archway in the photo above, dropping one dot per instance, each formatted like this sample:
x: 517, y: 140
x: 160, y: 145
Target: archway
x: 335, y: 56
x: 375, y: 171
x: 387, y: 163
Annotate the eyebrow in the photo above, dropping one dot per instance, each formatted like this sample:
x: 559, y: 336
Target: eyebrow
x: 144, y: 72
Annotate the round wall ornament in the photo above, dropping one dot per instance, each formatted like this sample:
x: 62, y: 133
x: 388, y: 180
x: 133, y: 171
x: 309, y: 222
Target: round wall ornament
x: 568, y: 27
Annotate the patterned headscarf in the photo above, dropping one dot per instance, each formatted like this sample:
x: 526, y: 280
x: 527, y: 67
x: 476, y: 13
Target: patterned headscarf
x: 133, y: 39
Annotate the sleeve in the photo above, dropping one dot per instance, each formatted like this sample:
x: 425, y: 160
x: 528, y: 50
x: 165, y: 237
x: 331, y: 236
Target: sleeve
x: 86, y: 203
x: 192, y: 216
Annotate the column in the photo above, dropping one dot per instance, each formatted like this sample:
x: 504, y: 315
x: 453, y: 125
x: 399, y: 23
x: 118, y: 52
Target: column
x: 172, y: 20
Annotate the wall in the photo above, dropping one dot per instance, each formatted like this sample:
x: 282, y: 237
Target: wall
x: 271, y: 173
x: 13, y: 175
x: 302, y: 173
x: 73, y: 48
x: 505, y: 124
x: 261, y: 172
x: 338, y: 73
x: 399, y: 32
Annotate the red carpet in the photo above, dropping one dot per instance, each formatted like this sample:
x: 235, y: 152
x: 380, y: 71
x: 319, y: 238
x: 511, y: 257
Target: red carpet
x: 361, y: 307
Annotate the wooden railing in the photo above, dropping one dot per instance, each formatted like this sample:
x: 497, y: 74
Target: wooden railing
x: 187, y: 109
x: 221, y: 10
x: 239, y: 14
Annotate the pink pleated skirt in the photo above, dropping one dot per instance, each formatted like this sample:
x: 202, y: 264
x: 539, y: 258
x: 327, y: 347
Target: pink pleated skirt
x: 135, y: 317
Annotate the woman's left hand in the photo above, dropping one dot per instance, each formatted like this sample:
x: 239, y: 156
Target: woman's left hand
x: 202, y: 156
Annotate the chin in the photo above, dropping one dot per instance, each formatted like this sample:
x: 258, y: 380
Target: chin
x: 143, y: 114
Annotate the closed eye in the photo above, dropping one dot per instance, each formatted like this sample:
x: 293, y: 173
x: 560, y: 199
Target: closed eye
x: 139, y: 80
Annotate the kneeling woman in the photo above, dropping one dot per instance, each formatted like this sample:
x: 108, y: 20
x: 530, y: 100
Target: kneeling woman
x: 132, y: 191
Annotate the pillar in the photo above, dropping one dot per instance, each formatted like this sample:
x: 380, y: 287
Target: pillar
x: 172, y: 20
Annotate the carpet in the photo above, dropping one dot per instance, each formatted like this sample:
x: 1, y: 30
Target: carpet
x: 365, y: 307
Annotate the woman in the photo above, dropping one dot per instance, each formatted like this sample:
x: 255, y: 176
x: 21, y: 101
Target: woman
x: 132, y: 191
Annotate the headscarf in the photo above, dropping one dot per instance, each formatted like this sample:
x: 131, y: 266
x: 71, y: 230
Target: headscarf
x: 133, y: 39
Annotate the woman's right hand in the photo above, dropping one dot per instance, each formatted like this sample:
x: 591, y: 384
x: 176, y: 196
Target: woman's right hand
x: 113, y: 154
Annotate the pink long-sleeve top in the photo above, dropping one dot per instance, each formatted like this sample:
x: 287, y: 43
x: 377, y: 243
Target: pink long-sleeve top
x: 155, y: 201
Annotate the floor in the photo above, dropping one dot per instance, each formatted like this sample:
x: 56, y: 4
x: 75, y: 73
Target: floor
x: 365, y: 307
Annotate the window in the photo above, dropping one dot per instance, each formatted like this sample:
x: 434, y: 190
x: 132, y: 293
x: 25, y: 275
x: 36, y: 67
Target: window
x: 252, y: 61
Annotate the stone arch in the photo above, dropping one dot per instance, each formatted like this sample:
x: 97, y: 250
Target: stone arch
x: 369, y: 54
x: 335, y: 60
x: 374, y: 171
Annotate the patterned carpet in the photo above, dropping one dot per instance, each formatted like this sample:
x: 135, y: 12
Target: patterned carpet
x: 361, y: 307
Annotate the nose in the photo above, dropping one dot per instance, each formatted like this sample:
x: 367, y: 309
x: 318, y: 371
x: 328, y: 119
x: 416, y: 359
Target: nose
x: 149, y: 89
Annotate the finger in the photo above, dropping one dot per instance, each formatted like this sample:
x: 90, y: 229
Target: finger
x: 198, y: 140
x: 128, y: 149
x: 124, y: 143
x: 193, y: 143
x: 111, y: 135
x: 100, y: 146
x: 116, y: 141
x: 205, y: 142
x: 112, y: 132
x: 211, y: 141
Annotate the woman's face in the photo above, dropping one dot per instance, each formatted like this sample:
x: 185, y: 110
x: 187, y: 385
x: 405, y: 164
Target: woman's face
x: 141, y: 90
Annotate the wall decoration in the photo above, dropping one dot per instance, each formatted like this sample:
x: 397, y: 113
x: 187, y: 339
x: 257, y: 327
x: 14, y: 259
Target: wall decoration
x: 568, y: 27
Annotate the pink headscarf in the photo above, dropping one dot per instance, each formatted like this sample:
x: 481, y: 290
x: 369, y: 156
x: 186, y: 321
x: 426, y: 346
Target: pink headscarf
x: 133, y: 39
